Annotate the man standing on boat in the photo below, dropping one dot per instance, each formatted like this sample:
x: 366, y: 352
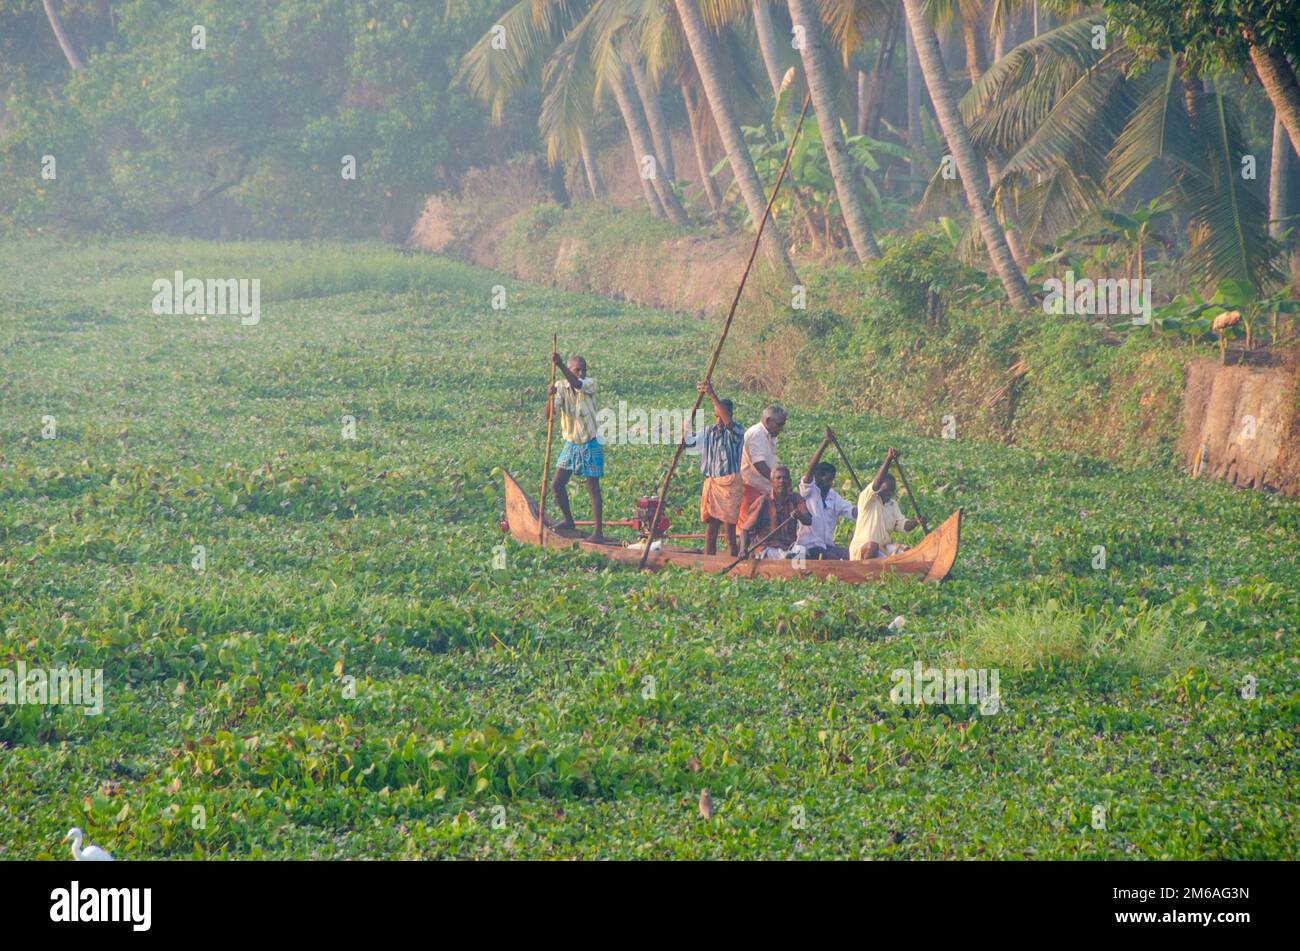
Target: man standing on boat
x: 720, y: 449
x: 758, y: 459
x: 575, y: 400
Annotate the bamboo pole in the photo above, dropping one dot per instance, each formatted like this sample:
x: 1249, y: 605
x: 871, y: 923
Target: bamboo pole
x: 899, y: 466
x: 758, y: 544
x: 726, y: 327
x: 546, y: 464
x: 845, y: 456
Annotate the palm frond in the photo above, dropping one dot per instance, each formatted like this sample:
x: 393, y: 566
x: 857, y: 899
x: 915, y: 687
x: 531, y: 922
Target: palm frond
x: 1158, y: 128
x: 531, y: 30
x: 849, y: 23
x: 1233, y: 240
x: 1035, y: 73
x: 1077, y: 131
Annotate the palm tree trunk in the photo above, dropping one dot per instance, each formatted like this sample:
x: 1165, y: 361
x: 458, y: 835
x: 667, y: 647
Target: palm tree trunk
x: 1191, y: 95
x: 916, y: 174
x: 816, y: 69
x: 959, y: 144
x: 1279, y: 82
x: 972, y: 35
x: 654, y: 114
x: 629, y: 106
x: 767, y: 44
x: 863, y: 98
x: 632, y: 124
x: 706, y: 180
x: 879, y: 77
x: 590, y: 166
x: 1278, y: 177
x: 976, y: 63
x: 724, y: 117
x: 65, y: 44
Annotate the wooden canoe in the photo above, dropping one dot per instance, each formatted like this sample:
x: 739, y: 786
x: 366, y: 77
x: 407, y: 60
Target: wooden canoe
x: 931, y: 559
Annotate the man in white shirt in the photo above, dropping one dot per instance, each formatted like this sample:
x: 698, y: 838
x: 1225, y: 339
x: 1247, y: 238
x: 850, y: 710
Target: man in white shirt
x: 758, y: 460
x: 878, y: 516
x: 825, y: 505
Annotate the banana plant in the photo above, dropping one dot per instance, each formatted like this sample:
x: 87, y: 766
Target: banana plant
x: 1192, y: 315
x: 809, y: 194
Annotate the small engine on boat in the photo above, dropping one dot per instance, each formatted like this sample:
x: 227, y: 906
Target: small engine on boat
x: 645, y: 512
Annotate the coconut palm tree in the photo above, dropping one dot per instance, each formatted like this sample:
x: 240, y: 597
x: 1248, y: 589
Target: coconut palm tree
x: 709, y: 67
x: 696, y: 120
x: 767, y: 45
x: 65, y: 44
x: 590, y: 166
x: 971, y: 14
x: 973, y: 176
x: 1277, y: 77
x: 668, y: 62
x: 1278, y: 177
x: 1079, y: 130
x: 505, y: 61
x: 817, y: 71
x: 554, y: 38
x: 623, y: 86
x: 654, y: 113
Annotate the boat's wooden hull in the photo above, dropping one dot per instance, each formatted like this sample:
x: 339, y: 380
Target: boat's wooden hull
x: 931, y: 559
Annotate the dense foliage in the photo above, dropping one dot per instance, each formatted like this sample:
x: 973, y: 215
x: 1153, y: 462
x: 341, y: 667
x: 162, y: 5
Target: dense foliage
x: 242, y: 128
x: 1212, y: 34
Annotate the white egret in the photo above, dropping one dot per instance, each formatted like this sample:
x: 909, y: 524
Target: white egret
x: 92, y: 854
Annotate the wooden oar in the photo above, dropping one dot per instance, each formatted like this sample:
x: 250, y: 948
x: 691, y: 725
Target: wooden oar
x: 899, y: 466
x: 758, y: 544
x: 546, y: 464
x: 845, y: 456
x: 726, y: 327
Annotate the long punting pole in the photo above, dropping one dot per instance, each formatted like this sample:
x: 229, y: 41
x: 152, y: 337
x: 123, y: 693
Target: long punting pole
x: 713, y: 360
x: 762, y: 541
x: 845, y: 456
x: 758, y: 544
x: 546, y: 464
x: 899, y: 466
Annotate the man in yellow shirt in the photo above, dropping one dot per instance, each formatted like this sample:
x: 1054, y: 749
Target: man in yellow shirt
x: 878, y: 515
x: 575, y: 401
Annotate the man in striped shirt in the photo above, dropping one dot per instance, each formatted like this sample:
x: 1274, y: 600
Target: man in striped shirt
x: 575, y: 401
x: 719, y: 447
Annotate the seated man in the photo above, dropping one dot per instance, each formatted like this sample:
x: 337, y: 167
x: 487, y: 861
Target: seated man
x: 878, y: 515
x: 776, y: 522
x: 826, y: 507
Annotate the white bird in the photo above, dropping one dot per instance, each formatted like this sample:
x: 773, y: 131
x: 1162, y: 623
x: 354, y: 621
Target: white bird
x: 92, y: 854
x: 897, y: 623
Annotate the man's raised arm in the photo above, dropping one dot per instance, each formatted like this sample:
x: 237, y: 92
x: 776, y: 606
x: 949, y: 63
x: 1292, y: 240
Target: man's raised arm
x: 817, y: 456
x: 890, y: 456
